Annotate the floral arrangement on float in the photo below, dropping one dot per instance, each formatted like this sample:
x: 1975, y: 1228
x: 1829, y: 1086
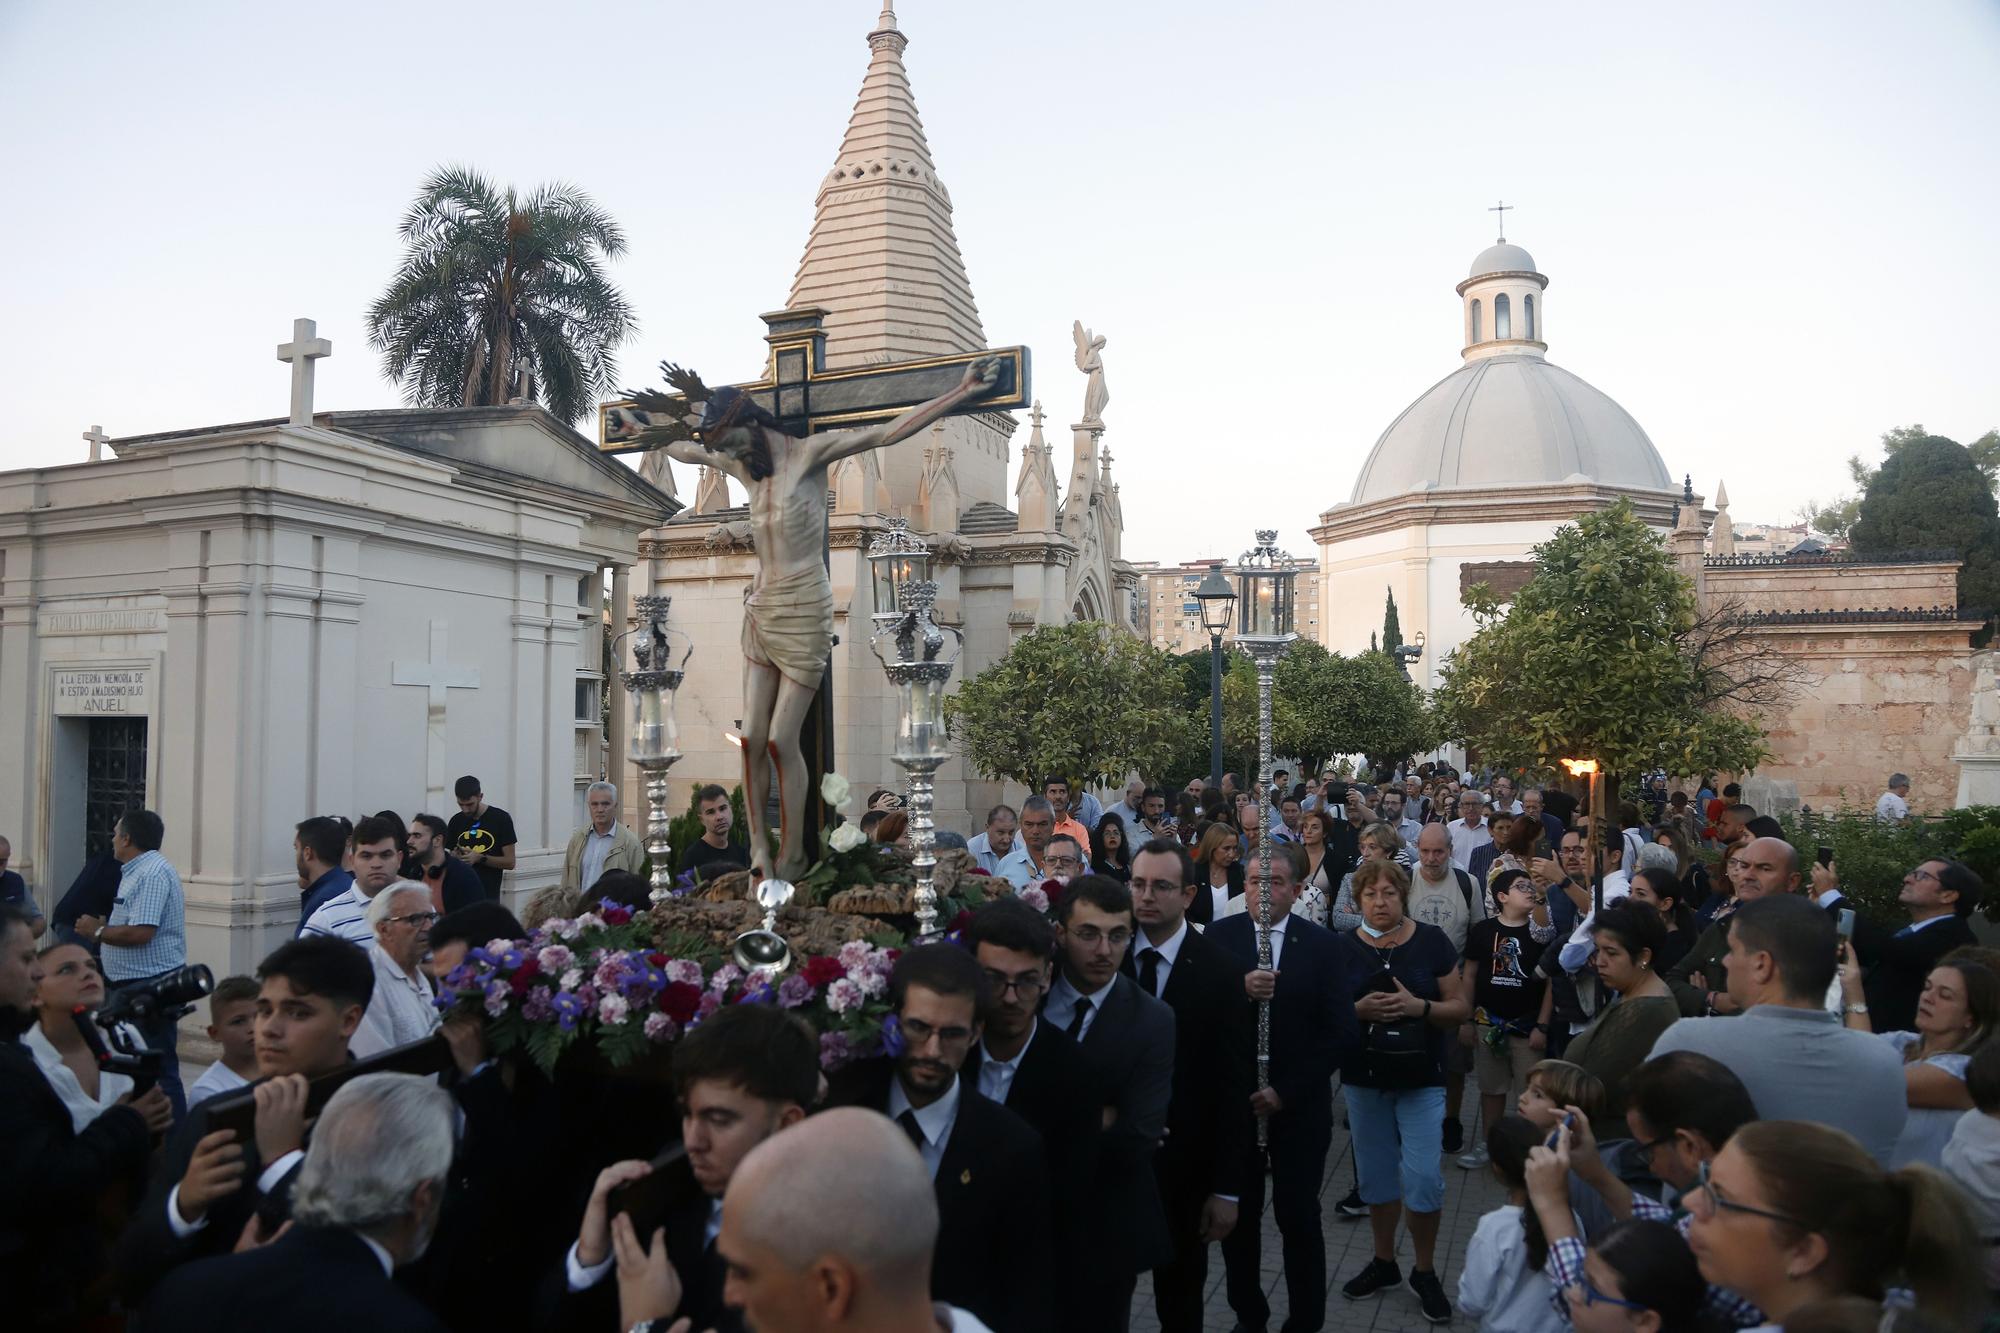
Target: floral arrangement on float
x: 626, y: 983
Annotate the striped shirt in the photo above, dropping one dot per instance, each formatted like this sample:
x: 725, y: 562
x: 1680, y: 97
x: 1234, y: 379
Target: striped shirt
x: 149, y: 894
x: 345, y: 917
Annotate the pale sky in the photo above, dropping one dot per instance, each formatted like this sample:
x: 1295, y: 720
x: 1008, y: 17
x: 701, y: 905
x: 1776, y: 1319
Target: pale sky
x: 1769, y: 228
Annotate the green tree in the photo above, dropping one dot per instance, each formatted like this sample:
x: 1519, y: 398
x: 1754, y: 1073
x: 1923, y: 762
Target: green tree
x: 1392, y: 627
x: 1323, y: 704
x: 1084, y: 700
x: 1837, y: 519
x: 1592, y: 659
x: 500, y: 297
x: 1932, y: 492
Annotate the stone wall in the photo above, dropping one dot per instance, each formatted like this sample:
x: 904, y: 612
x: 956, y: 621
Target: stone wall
x: 1833, y: 585
x: 1876, y: 699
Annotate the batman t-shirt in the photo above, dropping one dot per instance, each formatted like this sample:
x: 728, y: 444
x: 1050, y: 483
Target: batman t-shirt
x: 491, y: 830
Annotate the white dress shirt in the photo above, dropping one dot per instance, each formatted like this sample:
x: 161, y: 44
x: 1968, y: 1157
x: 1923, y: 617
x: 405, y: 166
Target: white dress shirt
x: 1466, y: 839
x: 1238, y: 906
x: 1577, y: 949
x: 996, y: 1076
x: 217, y: 1079
x: 596, y: 847
x: 935, y: 1121
x: 1063, y: 999
x: 403, y: 1008
x: 1168, y: 953
x: 82, y: 1110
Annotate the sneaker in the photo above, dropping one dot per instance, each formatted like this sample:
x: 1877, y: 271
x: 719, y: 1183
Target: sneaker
x: 1381, y: 1275
x: 1430, y: 1295
x: 1351, y: 1207
x: 1473, y: 1160
x: 1454, y: 1136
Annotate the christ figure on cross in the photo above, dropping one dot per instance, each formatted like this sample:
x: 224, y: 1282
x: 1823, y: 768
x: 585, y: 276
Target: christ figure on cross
x: 788, y: 612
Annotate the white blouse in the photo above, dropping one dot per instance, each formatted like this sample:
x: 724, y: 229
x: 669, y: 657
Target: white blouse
x: 82, y: 1110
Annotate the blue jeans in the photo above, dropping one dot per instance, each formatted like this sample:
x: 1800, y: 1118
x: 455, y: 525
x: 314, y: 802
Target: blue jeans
x: 1398, y: 1144
x: 162, y: 1034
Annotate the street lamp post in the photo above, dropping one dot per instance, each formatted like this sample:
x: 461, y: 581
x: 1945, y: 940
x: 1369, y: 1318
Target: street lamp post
x: 1265, y: 580
x: 1218, y: 604
x: 660, y: 655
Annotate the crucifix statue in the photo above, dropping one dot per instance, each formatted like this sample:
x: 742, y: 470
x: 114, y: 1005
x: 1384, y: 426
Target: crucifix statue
x: 788, y: 612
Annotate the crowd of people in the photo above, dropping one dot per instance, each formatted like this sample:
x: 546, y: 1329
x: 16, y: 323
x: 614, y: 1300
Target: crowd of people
x: 1714, y: 1092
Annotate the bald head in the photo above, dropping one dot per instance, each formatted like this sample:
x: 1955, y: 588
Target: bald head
x: 1764, y: 867
x: 845, y: 1186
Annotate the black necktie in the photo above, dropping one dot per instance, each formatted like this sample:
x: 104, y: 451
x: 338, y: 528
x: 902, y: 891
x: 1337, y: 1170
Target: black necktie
x: 1149, y: 970
x: 908, y: 1120
x: 1076, y: 1023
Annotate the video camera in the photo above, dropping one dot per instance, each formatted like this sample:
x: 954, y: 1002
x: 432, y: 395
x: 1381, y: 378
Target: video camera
x: 111, y: 1034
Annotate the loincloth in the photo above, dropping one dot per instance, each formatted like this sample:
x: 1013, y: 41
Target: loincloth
x: 788, y: 624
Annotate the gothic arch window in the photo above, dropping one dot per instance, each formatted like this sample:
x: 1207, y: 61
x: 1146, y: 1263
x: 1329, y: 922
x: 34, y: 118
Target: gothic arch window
x: 1528, y: 314
x: 1477, y: 334
x: 1501, y: 324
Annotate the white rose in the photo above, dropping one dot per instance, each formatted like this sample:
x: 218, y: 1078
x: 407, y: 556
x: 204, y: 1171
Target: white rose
x: 847, y: 837
x: 834, y: 790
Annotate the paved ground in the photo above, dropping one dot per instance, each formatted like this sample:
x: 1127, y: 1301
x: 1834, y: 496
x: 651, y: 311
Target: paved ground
x: 1349, y: 1245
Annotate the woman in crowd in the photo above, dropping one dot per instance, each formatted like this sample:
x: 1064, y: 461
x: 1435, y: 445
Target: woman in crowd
x: 1628, y: 939
x: 1958, y: 1014
x: 1694, y: 888
x: 1110, y: 849
x: 1660, y: 890
x: 1640, y: 1276
x: 1792, y: 1212
x: 1316, y: 890
x: 1218, y: 857
x: 1378, y: 842
x: 893, y: 829
x: 1187, y: 818
x: 1409, y: 994
x: 71, y: 981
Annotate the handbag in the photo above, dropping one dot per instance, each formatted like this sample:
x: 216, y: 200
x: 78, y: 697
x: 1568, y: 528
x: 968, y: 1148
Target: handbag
x: 1397, y: 1054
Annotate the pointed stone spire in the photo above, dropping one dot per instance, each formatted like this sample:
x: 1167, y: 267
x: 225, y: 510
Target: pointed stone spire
x: 1722, y: 533
x: 1035, y: 494
x: 937, y: 497
x: 882, y: 260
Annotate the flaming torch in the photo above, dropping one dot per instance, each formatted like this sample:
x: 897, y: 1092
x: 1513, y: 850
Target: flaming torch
x: 1594, y: 844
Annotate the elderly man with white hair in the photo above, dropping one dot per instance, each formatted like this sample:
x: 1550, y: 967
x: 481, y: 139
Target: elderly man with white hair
x: 366, y: 1203
x: 1470, y: 830
x: 403, y: 1008
x: 605, y: 844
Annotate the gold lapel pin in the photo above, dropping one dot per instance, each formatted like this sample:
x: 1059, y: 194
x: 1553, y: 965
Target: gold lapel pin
x: 965, y: 1177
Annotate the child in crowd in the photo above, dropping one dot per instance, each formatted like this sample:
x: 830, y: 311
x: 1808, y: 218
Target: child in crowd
x: 1502, y: 1284
x: 1554, y: 1084
x: 1510, y: 997
x: 232, y: 1020
x: 1972, y: 1158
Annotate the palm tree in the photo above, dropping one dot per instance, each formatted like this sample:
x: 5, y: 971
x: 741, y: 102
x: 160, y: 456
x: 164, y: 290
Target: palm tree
x: 500, y: 298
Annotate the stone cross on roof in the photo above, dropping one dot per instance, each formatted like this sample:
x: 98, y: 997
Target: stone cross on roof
x: 302, y: 351
x: 98, y: 439
x: 1501, y: 208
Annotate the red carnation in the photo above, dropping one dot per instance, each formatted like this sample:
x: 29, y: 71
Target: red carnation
x: 616, y: 916
x: 679, y: 1001
x: 961, y: 921
x: 821, y: 970
x: 529, y: 969
x: 976, y: 870
x: 657, y: 959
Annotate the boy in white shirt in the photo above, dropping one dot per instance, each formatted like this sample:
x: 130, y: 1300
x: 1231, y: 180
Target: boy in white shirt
x: 232, y: 1017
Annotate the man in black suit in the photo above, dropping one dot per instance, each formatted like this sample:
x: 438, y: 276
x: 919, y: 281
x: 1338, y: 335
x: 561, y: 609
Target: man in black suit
x: 206, y: 1185
x: 382, y: 1137
x: 1312, y: 1024
x: 1126, y: 1038
x: 987, y: 1167
x: 54, y: 1176
x: 1869, y: 939
x: 1939, y: 896
x: 743, y: 1075
x: 1202, y: 1165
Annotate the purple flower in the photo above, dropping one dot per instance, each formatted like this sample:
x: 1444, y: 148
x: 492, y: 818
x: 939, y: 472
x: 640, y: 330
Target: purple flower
x: 892, y: 1035
x: 659, y: 1027
x: 710, y: 1002
x: 844, y: 996
x: 539, y: 1006
x: 684, y: 970
x: 757, y: 990
x: 497, y: 995
x: 569, y: 1007
x: 835, y: 1050
x: 794, y: 991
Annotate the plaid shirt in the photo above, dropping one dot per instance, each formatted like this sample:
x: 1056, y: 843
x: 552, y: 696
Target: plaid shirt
x: 149, y: 894
x: 1565, y: 1269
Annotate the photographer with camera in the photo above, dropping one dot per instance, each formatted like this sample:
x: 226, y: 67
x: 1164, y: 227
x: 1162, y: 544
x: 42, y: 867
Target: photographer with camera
x: 146, y: 935
x: 53, y: 1175
x: 209, y: 1188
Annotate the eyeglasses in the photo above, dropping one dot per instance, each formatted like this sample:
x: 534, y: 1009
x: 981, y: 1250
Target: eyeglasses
x: 1059, y: 859
x: 1645, y: 1148
x: 1592, y: 1296
x: 1091, y: 936
x: 920, y: 1033
x: 1713, y: 1199
x: 415, y: 918
x: 1921, y: 873
x: 1027, y: 985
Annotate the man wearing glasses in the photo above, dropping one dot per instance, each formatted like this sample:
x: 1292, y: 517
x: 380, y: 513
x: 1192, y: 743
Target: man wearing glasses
x: 1064, y: 859
x: 1939, y: 895
x: 1759, y: 868
x: 403, y: 1007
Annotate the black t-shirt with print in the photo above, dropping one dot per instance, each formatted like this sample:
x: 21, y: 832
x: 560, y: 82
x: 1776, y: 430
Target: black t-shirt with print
x: 488, y: 831
x: 1509, y: 987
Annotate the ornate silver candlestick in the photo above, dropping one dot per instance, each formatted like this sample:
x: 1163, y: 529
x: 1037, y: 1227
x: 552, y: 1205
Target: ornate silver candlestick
x: 660, y: 656
x: 918, y: 657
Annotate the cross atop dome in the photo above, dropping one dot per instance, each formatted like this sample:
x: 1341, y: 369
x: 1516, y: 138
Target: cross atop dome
x: 1501, y: 208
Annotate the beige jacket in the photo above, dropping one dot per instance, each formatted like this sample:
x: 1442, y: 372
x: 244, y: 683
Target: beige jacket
x: 627, y: 853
